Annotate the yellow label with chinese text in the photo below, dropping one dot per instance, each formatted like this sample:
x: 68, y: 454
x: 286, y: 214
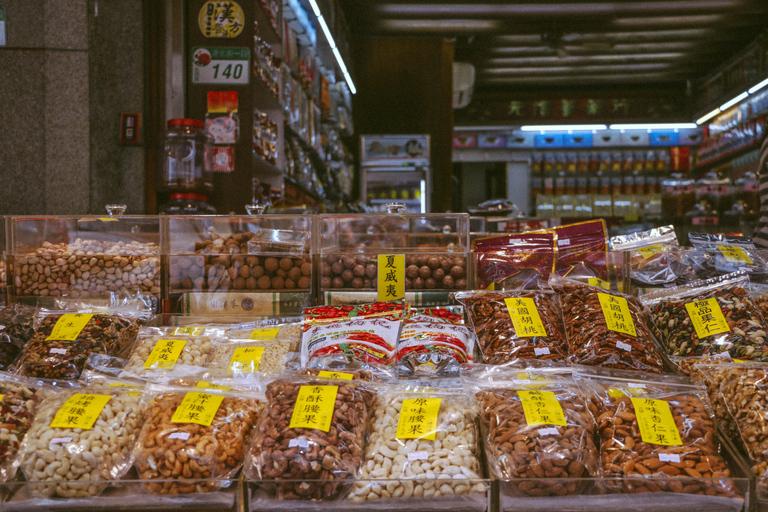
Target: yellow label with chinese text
x: 616, y: 314
x: 264, y: 334
x: 707, y: 317
x: 68, y: 326
x: 314, y: 407
x: 203, y: 384
x: 188, y: 331
x: 335, y: 375
x: 418, y: 419
x: 525, y: 317
x: 654, y: 418
x: 594, y: 281
x: 199, y: 408
x: 541, y: 408
x: 391, y: 280
x: 165, y: 354
x: 647, y: 252
x: 245, y: 360
x: 80, y: 411
x: 734, y: 254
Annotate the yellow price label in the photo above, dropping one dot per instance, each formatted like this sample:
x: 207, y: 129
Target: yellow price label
x: 418, y: 419
x: 314, y: 407
x: 202, y: 384
x: 264, y: 334
x: 734, y: 254
x: 198, y: 408
x: 596, y: 281
x: 165, y: 354
x: 654, y: 418
x: 707, y: 317
x: 245, y: 360
x: 335, y: 375
x: 80, y: 411
x: 647, y: 252
x: 541, y: 408
x: 192, y: 330
x: 525, y: 317
x: 69, y: 326
x: 391, y: 277
x: 616, y: 314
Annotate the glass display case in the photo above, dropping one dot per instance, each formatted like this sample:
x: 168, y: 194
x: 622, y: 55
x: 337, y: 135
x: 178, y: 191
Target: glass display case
x: 252, y: 264
x: 364, y: 258
x: 84, y: 257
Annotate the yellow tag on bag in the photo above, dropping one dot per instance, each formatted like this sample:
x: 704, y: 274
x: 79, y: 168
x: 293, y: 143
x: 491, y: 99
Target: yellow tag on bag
x: 165, y: 354
x: 647, y: 252
x: 616, y: 314
x: 525, y: 317
x: 198, y: 408
x: 264, y: 334
x: 391, y: 277
x: 245, y: 360
x: 541, y: 408
x: 80, y: 411
x: 188, y: 331
x: 655, y: 421
x: 335, y: 375
x: 734, y: 254
x: 418, y: 419
x: 707, y: 317
x: 69, y: 326
x: 594, y: 281
x: 314, y: 407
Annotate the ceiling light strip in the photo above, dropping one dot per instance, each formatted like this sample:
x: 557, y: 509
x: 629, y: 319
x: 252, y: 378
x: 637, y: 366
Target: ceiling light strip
x: 564, y: 128
x: 332, y: 43
x: 654, y: 126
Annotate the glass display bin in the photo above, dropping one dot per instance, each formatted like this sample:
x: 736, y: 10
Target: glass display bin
x: 246, y: 265
x: 84, y: 257
x: 364, y: 258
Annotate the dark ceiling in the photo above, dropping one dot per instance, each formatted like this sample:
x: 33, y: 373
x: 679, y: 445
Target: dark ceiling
x: 558, y: 44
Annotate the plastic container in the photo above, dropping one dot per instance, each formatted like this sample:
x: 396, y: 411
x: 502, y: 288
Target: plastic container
x: 187, y: 157
x: 715, y: 191
x: 678, y: 196
x: 747, y: 191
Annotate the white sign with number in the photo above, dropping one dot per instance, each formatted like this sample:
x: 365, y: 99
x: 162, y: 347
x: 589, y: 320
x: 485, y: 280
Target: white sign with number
x: 220, y: 65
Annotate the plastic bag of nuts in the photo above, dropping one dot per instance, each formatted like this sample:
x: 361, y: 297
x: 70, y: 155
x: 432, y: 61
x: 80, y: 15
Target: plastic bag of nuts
x: 411, y: 457
x: 192, y: 435
x: 17, y: 326
x: 655, y: 255
x: 246, y: 358
x: 288, y: 329
x: 434, y: 349
x: 709, y: 317
x: 516, y: 325
x: 80, y: 438
x: 659, y: 427
x: 606, y: 328
x: 311, y: 441
x: 705, y: 370
x: 537, y: 427
x: 159, y: 349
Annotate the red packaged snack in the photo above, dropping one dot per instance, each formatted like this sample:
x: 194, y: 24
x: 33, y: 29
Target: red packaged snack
x: 434, y: 348
x: 372, y: 341
x: 521, y: 261
x: 444, y: 315
x: 576, y: 245
x: 395, y: 310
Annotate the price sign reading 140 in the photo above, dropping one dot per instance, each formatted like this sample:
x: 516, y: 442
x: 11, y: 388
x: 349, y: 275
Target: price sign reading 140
x: 220, y: 65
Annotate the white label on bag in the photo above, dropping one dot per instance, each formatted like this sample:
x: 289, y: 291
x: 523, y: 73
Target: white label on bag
x: 299, y: 441
x: 548, y: 432
x: 60, y: 440
x: 669, y: 457
x: 624, y: 346
x: 418, y: 456
x: 179, y: 435
x: 635, y: 385
x: 541, y: 351
x: 61, y: 351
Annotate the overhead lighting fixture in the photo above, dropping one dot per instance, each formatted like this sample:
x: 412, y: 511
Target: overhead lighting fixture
x: 332, y: 44
x: 725, y: 106
x: 707, y: 117
x: 759, y: 86
x: 654, y: 126
x: 564, y: 128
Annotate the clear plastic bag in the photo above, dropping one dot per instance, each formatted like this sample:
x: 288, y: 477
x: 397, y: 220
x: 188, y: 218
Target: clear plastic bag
x: 302, y: 438
x: 244, y: 358
x: 160, y: 349
x: 521, y: 261
x: 17, y: 326
x: 193, y: 434
x: 655, y: 255
x: 422, y: 456
x: 372, y: 341
x: 719, y: 254
x: 516, y: 325
x: 434, y: 349
x: 440, y: 314
x: 606, y: 328
x: 264, y: 331
x: 57, y: 457
x: 685, y: 315
x: 658, y: 427
x: 537, y: 427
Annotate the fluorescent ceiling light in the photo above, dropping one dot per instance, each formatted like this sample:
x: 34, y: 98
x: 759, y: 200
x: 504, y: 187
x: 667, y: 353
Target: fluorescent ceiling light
x: 707, y: 117
x: 729, y: 104
x: 564, y: 128
x: 759, y: 86
x: 654, y: 126
x: 332, y: 44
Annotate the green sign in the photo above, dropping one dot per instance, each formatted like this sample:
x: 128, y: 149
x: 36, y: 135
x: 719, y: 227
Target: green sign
x: 218, y: 65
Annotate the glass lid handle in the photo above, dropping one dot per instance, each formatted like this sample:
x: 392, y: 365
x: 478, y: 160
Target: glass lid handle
x: 255, y: 209
x: 116, y: 210
x: 395, y: 207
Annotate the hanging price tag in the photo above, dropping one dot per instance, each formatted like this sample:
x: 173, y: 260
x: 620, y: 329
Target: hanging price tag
x: 69, y: 326
x: 164, y: 355
x: 335, y: 375
x: 647, y: 252
x: 525, y: 317
x: 734, y: 254
x: 199, y: 408
x: 245, y: 360
x: 418, y: 419
x: 616, y: 314
x: 314, y: 407
x: 707, y: 317
x: 264, y: 334
x: 654, y: 418
x: 391, y: 277
x: 80, y: 411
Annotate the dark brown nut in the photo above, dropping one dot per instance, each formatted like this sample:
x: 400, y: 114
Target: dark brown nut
x: 347, y: 275
x: 238, y: 284
x: 438, y: 274
x: 358, y: 271
x: 338, y: 282
x: 422, y: 260
x: 303, y: 283
x: 271, y: 264
x: 361, y: 260
x: 496, y: 333
x: 412, y: 271
x: 289, y: 284
x: 357, y: 282
x: 433, y: 263
x: 371, y: 271
x: 325, y: 282
x: 244, y: 272
x: 457, y: 271
x: 297, y: 456
x: 446, y: 264
x: 326, y: 269
x: 257, y: 271
x: 306, y: 269
x: 286, y: 263
x: 425, y: 272
x: 278, y: 283
x: 251, y: 283
x: 264, y: 282
x: 337, y: 268
x: 282, y: 273
x: 430, y: 283
x: 347, y: 261
x: 418, y: 283
x: 251, y: 261
x: 294, y: 273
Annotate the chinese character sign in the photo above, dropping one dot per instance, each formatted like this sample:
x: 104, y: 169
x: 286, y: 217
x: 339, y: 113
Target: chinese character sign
x: 314, y: 407
x: 525, y: 317
x: 80, y: 411
x: 541, y: 408
x: 335, y: 375
x: 199, y: 408
x: 616, y: 314
x: 734, y: 254
x: 165, y: 354
x: 391, y: 278
x: 245, y: 360
x: 221, y: 19
x: 68, y: 327
x: 707, y: 317
x: 418, y: 419
x: 188, y: 331
x: 655, y: 421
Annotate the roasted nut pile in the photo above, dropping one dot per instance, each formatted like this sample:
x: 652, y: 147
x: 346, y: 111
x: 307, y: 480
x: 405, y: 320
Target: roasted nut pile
x: 196, y: 351
x: 224, y: 263
x: 554, y: 455
x: 59, y: 457
x: 592, y: 342
x: 272, y: 360
x: 746, y: 338
x: 293, y: 455
x: 17, y: 409
x: 89, y: 268
x: 499, y: 341
x: 702, y: 369
x: 422, y: 272
x: 176, y: 452
x: 420, y: 468
x: 16, y: 328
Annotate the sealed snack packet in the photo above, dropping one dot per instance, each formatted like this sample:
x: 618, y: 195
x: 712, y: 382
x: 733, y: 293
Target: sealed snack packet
x: 439, y: 314
x: 509, y: 262
x: 516, y: 325
x: 717, y: 254
x: 266, y: 331
x: 709, y: 317
x: 655, y: 255
x: 160, y: 349
x: 538, y: 429
x: 425, y: 442
x: 17, y: 326
x: 434, y: 349
x: 247, y: 358
x: 395, y: 310
x: 578, y: 248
